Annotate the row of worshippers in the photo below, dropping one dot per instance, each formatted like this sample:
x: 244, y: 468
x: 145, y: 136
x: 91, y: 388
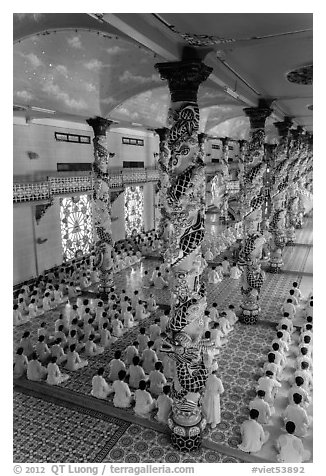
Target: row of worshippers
x: 294, y: 303
x: 213, y: 246
x: 159, y: 277
x: 289, y: 446
x: 216, y: 273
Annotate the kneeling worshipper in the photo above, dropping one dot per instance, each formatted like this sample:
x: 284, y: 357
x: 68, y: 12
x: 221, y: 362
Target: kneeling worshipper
x: 144, y: 401
x: 35, y: 371
x: 122, y: 394
x: 164, y: 405
x: 74, y: 362
x: 20, y: 364
x: 290, y: 448
x: 252, y: 433
x: 262, y: 407
x: 100, y: 388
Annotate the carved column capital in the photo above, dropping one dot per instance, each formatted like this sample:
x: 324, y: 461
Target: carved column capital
x: 283, y: 127
x: 163, y: 133
x: 257, y: 116
x: 184, y: 78
x: 99, y: 125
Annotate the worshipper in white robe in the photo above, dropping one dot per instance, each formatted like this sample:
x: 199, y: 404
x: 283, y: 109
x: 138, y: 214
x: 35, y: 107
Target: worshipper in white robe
x: 42, y: 350
x: 213, y: 312
x: 252, y: 434
x: 206, y: 320
x: 307, y: 331
x: 151, y: 303
x: 284, y: 348
x: 55, y: 376
x: 279, y: 356
x: 106, y: 340
x: 154, y: 330
x: 20, y: 363
x: 217, y: 335
x: 122, y: 394
x: 117, y: 327
x: 145, y: 280
x: 128, y: 319
x: 35, y: 371
x: 304, y: 357
x: 130, y: 352
x: 297, y: 291
x: 33, y: 311
x: 264, y: 409
x: 235, y: 272
x: 286, y: 321
x: 149, y: 358
x: 296, y: 413
x: 92, y: 349
x: 292, y: 297
x: 74, y: 362
x: 154, y: 274
x: 225, y: 326
x: 58, y: 352
x: 142, y: 339
x: 164, y: 405
x: 169, y: 366
x: 226, y: 266
x: 231, y: 315
x: 136, y: 373
x: 272, y: 366
x: 100, y: 388
x: 46, y: 304
x: 297, y: 387
x: 164, y: 320
x: 305, y: 374
x: 115, y: 365
x: 208, y: 255
x: 289, y: 307
x: 211, y: 401
x: 270, y: 385
x: 157, y: 379
x: 144, y: 401
x: 290, y: 448
x: 18, y: 318
x: 27, y: 344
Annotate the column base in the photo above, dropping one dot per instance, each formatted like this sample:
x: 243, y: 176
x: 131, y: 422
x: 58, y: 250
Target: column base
x: 186, y: 438
x: 249, y: 316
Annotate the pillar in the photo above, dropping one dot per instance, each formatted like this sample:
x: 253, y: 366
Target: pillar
x: 104, y: 251
x: 225, y: 171
x: 252, y: 199
x: 184, y: 204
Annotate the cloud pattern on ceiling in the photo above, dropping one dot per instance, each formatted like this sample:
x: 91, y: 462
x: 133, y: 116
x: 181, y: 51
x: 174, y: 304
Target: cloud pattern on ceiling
x: 239, y: 128
x: 86, y: 74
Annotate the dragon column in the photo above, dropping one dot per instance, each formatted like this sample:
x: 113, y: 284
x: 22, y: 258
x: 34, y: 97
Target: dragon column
x: 183, y: 201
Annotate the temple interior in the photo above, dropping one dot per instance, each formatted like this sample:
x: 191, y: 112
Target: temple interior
x: 169, y: 154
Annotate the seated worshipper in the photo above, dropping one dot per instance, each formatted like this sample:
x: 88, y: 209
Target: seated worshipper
x: 252, y: 434
x: 60, y: 333
x: 122, y: 395
x: 206, y: 320
x: 309, y: 310
x: 269, y: 384
x: 33, y: 311
x: 209, y: 351
x: 224, y: 324
x: 231, y: 315
x: 296, y: 413
x: 58, y: 296
x: 151, y: 303
x: 154, y: 275
x: 58, y: 322
x: 213, y: 312
x: 304, y: 357
x: 115, y: 365
x: 290, y: 448
x: 100, y: 388
x: 73, y: 339
x: 211, y: 400
x: 286, y: 321
x: 136, y: 373
x: 46, y: 303
x: 286, y: 334
x: 305, y: 374
x: 22, y: 306
x: 164, y: 405
x: 226, y: 266
x: 57, y: 351
x: 289, y: 307
x: 235, y: 272
x: 72, y: 291
x: 157, y: 379
x: 42, y: 350
x: 135, y: 298
x: 89, y: 329
x: 84, y: 282
x: 117, y: 327
x: 130, y: 352
x: 74, y: 362
x: 272, y: 366
x: 55, y: 376
x: 307, y: 331
x: 158, y: 345
x: 20, y: 363
x: 159, y: 282
x: 144, y: 401
x: 297, y: 387
x: 17, y: 316
x: 217, y: 335
x: 128, y: 318
x: 164, y: 320
x: 145, y: 280
x: 149, y: 358
x: 264, y: 409
x: 35, y: 371
x: 309, y: 321
x: 142, y: 339
x: 26, y: 344
x: 292, y: 297
x: 297, y: 291
x: 141, y: 311
x: 91, y: 349
x: 307, y: 344
x: 208, y: 255
x: 154, y: 330
x: 106, y: 340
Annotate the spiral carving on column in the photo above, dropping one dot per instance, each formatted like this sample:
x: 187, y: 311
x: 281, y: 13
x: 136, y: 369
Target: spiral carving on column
x: 183, y: 202
x: 101, y: 202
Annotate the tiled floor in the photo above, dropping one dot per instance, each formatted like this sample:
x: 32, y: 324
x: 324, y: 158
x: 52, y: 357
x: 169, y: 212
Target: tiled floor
x: 238, y: 362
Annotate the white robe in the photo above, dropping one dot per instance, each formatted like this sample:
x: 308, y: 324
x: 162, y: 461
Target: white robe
x: 211, y: 401
x: 253, y: 436
x: 122, y: 395
x: 291, y: 450
x: 100, y: 388
x: 55, y: 377
x: 144, y: 403
x: 164, y: 405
